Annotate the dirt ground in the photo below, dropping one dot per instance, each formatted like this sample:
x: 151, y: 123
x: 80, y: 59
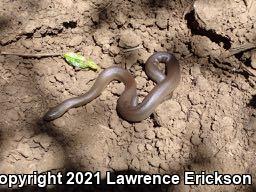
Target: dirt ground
x: 207, y: 125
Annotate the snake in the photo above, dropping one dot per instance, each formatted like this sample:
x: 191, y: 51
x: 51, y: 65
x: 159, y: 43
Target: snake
x: 127, y: 106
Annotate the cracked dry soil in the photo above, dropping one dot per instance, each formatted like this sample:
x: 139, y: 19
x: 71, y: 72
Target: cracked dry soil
x: 207, y: 125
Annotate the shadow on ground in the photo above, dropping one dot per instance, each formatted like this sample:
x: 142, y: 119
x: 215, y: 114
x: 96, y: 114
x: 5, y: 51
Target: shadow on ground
x: 252, y: 102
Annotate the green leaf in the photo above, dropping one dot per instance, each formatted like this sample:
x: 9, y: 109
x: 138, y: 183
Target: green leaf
x: 79, y: 61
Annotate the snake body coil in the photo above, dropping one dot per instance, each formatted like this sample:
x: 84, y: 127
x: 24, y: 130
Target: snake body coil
x: 127, y: 104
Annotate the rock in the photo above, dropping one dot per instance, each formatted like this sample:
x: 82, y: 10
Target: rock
x: 129, y: 38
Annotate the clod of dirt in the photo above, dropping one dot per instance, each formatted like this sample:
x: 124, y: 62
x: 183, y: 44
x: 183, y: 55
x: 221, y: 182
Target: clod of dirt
x: 129, y: 39
x: 141, y: 82
x: 115, y: 124
x: 135, y: 163
x: 166, y: 111
x: 11, y: 90
x: 133, y: 148
x: 155, y: 161
x: 83, y: 7
x: 150, y: 134
x: 162, y: 133
x: 103, y: 37
x: 162, y: 19
x: 52, y: 160
x: 203, y: 83
x: 195, y: 139
x: 31, y: 26
x: 13, y: 115
x: 43, y: 140
x: 120, y: 19
x: 75, y: 41
x: 202, y: 46
x: 131, y: 60
x: 141, y: 147
x: 118, y: 163
x: 140, y: 127
x: 251, y: 126
x: 195, y: 70
x: 106, y: 62
x: 253, y: 59
x: 195, y: 98
x: 229, y: 22
x: 207, y: 12
x: 24, y: 149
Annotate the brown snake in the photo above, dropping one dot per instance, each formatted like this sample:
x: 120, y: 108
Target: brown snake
x: 127, y: 104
